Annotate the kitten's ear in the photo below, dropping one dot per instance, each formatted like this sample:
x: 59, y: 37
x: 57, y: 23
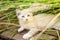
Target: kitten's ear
x: 18, y: 12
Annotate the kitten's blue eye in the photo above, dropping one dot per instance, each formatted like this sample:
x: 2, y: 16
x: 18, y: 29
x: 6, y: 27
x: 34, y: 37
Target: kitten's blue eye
x: 22, y: 16
x: 28, y: 15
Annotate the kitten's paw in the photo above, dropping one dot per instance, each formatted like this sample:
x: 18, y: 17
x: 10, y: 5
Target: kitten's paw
x: 20, y: 29
x: 27, y: 36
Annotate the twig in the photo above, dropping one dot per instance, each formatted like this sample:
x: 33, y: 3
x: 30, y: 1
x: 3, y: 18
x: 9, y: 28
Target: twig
x: 3, y: 17
x: 50, y: 24
x: 58, y: 34
x: 9, y: 24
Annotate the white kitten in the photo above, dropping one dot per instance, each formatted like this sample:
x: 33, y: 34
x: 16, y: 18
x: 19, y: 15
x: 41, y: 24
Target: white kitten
x: 32, y: 23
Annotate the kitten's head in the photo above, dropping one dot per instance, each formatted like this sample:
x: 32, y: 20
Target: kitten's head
x: 24, y: 15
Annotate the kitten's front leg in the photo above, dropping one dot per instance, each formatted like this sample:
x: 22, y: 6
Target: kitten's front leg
x: 30, y: 33
x: 20, y: 29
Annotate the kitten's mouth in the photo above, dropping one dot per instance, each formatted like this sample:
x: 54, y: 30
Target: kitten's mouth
x: 29, y: 21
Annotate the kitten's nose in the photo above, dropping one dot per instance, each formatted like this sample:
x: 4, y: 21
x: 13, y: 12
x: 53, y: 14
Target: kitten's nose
x: 26, y: 19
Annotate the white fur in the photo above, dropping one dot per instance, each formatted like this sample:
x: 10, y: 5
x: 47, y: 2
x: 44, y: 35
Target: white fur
x: 26, y: 36
x: 20, y: 29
